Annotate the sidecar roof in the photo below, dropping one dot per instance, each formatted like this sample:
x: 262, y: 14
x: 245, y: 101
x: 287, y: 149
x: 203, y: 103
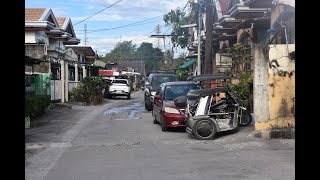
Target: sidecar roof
x: 206, y: 77
x: 207, y: 92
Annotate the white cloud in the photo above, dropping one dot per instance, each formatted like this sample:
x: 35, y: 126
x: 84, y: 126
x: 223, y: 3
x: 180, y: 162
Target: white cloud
x: 89, y: 7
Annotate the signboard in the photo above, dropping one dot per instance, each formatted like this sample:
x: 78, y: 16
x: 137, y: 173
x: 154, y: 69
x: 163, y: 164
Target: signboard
x: 103, y: 72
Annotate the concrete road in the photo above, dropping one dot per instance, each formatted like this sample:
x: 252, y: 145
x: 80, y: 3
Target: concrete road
x: 118, y: 141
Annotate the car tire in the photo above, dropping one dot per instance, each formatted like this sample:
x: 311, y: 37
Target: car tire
x: 204, y: 133
x: 109, y: 96
x: 164, y: 128
x: 129, y: 96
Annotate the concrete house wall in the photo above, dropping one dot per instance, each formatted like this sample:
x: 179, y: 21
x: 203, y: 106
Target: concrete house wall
x: 274, y: 87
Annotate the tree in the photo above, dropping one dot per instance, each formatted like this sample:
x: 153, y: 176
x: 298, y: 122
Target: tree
x: 123, y: 51
x: 151, y: 56
x: 176, y: 18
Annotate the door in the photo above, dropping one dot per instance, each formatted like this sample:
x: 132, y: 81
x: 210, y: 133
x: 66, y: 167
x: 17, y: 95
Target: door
x: 158, y: 103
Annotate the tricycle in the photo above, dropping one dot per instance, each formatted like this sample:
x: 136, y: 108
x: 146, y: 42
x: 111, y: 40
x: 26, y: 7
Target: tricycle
x: 215, y: 110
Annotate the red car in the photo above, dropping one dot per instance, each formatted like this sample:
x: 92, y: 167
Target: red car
x: 164, y: 110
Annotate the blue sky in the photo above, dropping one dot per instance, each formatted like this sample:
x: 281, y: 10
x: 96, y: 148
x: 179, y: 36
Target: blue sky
x: 122, y: 13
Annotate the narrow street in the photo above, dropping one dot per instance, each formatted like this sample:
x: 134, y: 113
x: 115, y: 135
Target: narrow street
x: 118, y: 140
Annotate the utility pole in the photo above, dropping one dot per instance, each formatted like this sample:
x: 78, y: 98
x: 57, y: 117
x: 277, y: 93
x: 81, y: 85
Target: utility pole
x: 158, y: 32
x: 199, y: 39
x: 85, y: 34
x: 208, y: 43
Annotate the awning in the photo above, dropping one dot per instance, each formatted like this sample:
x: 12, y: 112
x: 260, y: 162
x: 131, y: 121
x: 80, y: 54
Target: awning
x: 188, y: 63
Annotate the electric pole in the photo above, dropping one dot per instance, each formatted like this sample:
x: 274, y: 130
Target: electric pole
x: 199, y: 39
x: 208, y: 42
x: 158, y: 32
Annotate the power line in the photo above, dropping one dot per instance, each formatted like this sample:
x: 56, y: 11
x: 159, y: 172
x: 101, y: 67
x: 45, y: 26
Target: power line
x: 98, y: 12
x: 124, y: 26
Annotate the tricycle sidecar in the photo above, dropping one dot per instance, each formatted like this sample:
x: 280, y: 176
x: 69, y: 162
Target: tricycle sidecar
x: 215, y: 110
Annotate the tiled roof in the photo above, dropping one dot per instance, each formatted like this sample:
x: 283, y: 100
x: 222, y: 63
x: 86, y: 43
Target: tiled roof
x: 60, y: 21
x: 33, y: 14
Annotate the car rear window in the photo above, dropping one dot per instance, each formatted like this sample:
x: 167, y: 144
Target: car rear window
x: 159, y: 79
x: 172, y: 92
x: 119, y: 81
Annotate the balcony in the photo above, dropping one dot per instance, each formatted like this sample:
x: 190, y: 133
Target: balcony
x: 36, y: 51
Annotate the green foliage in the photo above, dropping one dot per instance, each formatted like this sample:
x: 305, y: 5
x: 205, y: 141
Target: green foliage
x: 176, y: 18
x: 126, y: 51
x: 123, y: 51
x: 242, y: 88
x: 151, y: 56
x: 36, y: 105
x: 182, y: 74
x: 90, y: 91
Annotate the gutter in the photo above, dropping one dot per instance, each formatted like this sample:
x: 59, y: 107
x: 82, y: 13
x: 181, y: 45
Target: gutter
x: 42, y: 24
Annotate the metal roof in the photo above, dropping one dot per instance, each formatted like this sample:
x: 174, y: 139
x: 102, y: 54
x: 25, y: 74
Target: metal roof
x: 207, y: 92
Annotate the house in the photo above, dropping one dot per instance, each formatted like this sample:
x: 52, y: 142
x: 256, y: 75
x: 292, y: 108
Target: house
x: 274, y: 77
x: 265, y: 30
x: 45, y: 40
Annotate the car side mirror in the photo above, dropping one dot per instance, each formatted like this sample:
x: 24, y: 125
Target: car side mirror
x: 180, y: 102
x: 157, y: 97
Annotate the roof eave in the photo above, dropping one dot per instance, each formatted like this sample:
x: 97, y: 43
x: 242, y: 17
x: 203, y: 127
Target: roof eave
x: 41, y: 24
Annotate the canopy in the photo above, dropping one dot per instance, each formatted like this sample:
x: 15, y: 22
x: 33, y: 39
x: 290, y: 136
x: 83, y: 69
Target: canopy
x: 188, y: 63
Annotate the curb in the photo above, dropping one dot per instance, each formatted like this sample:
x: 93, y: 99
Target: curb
x: 62, y: 105
x: 283, y: 133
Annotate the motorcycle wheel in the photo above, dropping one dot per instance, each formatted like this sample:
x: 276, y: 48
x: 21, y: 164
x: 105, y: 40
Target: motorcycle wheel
x: 246, y: 119
x: 204, y: 129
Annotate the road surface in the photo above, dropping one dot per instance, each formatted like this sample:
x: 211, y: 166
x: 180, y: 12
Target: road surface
x: 118, y: 141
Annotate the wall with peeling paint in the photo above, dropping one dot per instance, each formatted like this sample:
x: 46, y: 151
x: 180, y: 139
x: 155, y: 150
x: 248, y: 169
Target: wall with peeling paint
x: 260, y: 85
x: 281, y: 80
x: 274, y: 86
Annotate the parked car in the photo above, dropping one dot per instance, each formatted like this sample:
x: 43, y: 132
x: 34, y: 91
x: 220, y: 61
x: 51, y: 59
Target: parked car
x: 119, y: 87
x: 165, y: 112
x: 152, y: 85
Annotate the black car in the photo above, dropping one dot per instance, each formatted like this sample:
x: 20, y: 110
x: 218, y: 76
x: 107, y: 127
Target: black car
x: 152, y: 84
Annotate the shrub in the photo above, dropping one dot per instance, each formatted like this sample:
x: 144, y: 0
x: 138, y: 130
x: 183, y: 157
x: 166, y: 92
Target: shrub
x: 36, y: 105
x: 77, y: 94
x: 243, y: 87
x: 90, y: 91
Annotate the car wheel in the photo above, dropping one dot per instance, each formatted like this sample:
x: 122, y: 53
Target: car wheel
x: 164, y: 128
x: 204, y: 129
x: 109, y: 96
x: 154, y: 118
x: 129, y: 96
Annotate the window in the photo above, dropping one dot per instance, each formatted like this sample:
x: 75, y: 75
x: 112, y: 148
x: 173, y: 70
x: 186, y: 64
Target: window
x: 174, y: 91
x: 120, y: 81
x: 157, y: 80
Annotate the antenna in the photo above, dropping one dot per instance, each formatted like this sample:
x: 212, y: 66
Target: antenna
x: 85, y: 34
